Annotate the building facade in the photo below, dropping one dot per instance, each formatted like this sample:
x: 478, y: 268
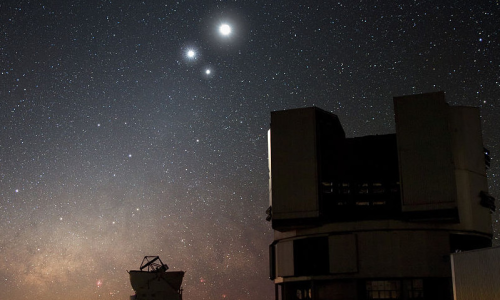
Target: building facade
x: 376, y: 217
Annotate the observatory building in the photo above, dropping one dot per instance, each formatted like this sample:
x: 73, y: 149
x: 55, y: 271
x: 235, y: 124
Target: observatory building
x: 153, y: 282
x: 376, y: 217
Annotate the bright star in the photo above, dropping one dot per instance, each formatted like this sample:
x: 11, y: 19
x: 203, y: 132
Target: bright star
x: 225, y: 29
x: 190, y: 53
x: 207, y: 72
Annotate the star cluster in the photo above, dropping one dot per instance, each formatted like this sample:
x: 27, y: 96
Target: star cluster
x: 133, y: 128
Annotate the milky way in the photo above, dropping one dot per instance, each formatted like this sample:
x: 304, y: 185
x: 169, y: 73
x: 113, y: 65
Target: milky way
x: 115, y: 144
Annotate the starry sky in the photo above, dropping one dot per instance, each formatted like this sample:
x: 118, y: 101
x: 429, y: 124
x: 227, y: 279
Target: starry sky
x: 132, y: 128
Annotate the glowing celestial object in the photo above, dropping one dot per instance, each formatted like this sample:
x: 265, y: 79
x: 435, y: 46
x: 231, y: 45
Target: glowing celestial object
x: 208, y: 73
x: 225, y: 29
x: 190, y: 53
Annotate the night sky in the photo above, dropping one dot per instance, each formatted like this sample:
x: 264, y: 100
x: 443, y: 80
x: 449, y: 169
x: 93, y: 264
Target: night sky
x: 132, y: 128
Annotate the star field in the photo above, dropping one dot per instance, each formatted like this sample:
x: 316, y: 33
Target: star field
x: 133, y: 128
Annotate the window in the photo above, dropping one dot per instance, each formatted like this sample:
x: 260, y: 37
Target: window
x: 383, y: 289
x: 415, y: 288
x: 301, y: 290
x: 378, y: 188
x: 304, y: 294
x: 395, y: 289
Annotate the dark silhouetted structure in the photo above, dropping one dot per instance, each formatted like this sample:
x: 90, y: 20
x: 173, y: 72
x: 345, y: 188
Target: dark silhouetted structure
x: 153, y: 282
x: 376, y: 217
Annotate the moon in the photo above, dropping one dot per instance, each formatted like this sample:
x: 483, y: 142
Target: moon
x: 225, y: 29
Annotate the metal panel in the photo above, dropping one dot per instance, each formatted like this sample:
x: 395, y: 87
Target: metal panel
x: 467, y: 139
x: 425, y: 152
x: 284, y: 259
x: 470, y: 167
x: 302, y: 153
x: 294, y: 164
x: 343, y: 253
x: 476, y: 274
